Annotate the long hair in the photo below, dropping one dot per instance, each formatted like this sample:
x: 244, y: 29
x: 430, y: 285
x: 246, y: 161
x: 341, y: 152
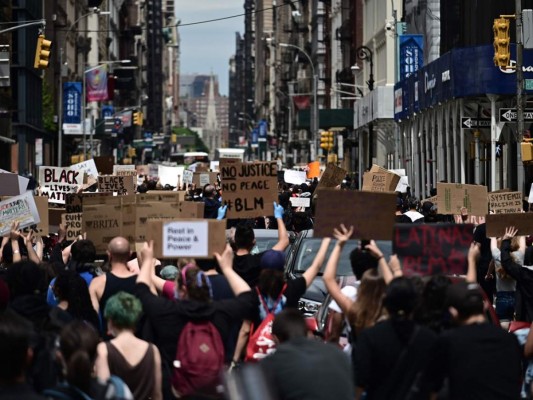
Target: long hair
x: 78, y: 342
x: 72, y: 288
x: 368, y: 306
x: 197, y: 283
x: 271, y: 282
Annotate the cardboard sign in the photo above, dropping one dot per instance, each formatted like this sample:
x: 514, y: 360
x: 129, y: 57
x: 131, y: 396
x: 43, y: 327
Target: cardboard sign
x: 161, y: 195
x: 187, y: 238
x: 472, y: 219
x: 214, y: 166
x: 104, y: 165
x: 124, y: 170
x: 380, y: 181
x: 170, y: 175
x: 332, y: 177
x: 54, y: 216
x: 300, y: 201
x: 12, y: 184
x: 102, y: 224
x: 74, y: 201
x: 73, y: 224
x: 122, y: 185
x: 249, y: 189
x: 295, y: 177
x: 88, y: 166
x: 496, y: 223
x: 57, y: 182
x: 43, y: 227
x: 200, y: 179
x: 370, y: 213
x: 21, y: 209
x: 430, y: 249
x: 453, y: 196
x: 145, y: 212
x: 432, y: 199
x: 505, y: 202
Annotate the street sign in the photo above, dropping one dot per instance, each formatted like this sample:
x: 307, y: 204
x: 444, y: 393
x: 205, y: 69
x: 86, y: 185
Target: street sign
x: 509, y: 114
x: 529, y: 84
x: 471, y: 123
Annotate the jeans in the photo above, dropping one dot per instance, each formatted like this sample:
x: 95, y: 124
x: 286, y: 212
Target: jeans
x: 505, y: 302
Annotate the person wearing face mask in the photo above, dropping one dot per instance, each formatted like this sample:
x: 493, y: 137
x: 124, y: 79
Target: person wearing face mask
x: 246, y: 263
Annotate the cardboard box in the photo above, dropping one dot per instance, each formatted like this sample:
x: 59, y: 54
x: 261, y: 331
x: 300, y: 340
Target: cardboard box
x: 161, y: 195
x: 370, y: 213
x: 102, y: 223
x: 453, y: 196
x: 496, y: 223
x: 199, y: 238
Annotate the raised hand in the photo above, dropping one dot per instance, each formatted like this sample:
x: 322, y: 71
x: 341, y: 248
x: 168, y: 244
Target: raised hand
x: 342, y: 234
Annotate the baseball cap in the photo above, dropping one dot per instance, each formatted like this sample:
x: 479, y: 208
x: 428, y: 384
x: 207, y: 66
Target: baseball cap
x: 273, y: 259
x: 465, y: 297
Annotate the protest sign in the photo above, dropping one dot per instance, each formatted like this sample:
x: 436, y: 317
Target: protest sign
x: 505, y: 202
x: 370, y: 213
x: 164, y: 210
x: 88, y: 166
x: 332, y: 177
x: 249, y: 189
x: 41, y: 203
x: 472, y: 219
x: 432, y: 199
x: 295, y: 177
x: 124, y: 170
x: 57, y: 182
x: 12, y: 184
x: 431, y: 249
x: 300, y: 201
x: 496, y: 223
x: 21, y: 209
x: 104, y: 165
x: 54, y: 216
x: 102, y: 223
x: 187, y: 238
x: 142, y: 170
x: 200, y: 179
x: 453, y: 196
x: 72, y: 223
x: 121, y: 185
x: 313, y: 170
x: 403, y: 183
x: 214, y: 166
x: 383, y: 181
x: 161, y: 195
x: 74, y: 201
x: 170, y: 175
x: 187, y: 177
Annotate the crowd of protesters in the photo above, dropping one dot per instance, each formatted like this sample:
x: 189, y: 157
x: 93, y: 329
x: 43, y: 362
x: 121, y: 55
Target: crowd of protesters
x: 229, y: 327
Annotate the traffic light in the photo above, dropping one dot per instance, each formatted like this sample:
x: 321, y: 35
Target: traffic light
x: 502, y: 53
x: 42, y: 52
x: 326, y: 140
x: 138, y: 118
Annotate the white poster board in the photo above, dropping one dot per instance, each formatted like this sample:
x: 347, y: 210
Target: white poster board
x: 170, y: 175
x: 187, y: 177
x: 185, y: 239
x: 88, y: 166
x: 57, y: 182
x: 300, y: 201
x: 403, y: 184
x: 295, y: 177
x: 21, y: 209
x: 213, y: 166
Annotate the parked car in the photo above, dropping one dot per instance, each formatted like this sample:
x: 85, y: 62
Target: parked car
x: 301, y: 257
x: 265, y: 239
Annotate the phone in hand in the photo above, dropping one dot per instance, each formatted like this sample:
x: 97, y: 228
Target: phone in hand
x: 364, y: 243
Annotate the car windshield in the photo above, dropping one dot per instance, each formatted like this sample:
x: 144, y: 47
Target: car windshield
x: 264, y: 243
x: 308, y: 249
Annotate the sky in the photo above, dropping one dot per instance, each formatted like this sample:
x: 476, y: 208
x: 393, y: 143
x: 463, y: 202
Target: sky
x: 207, y: 48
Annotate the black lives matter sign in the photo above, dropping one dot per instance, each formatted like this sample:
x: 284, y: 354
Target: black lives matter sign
x: 433, y: 249
x: 249, y: 189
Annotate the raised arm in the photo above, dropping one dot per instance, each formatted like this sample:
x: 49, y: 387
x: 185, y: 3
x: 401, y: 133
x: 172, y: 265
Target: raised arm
x: 283, y: 237
x: 312, y: 271
x: 511, y: 267
x: 388, y: 272
x: 473, y: 256
x: 225, y: 261
x: 330, y: 273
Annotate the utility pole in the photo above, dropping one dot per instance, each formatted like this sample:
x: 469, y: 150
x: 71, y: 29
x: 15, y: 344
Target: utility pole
x: 519, y: 94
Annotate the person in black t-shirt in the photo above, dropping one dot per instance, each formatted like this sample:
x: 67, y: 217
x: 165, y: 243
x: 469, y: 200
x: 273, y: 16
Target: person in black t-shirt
x: 247, y: 264
x: 480, y: 360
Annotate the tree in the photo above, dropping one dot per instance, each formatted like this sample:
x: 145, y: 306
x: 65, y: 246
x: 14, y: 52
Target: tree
x: 48, y: 108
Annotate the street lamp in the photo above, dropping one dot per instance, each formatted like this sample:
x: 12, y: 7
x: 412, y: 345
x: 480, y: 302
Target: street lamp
x: 365, y: 54
x: 314, y: 121
x: 97, y: 11
x: 84, y: 100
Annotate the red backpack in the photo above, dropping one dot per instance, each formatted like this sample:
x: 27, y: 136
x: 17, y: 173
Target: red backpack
x: 261, y: 342
x: 199, y: 360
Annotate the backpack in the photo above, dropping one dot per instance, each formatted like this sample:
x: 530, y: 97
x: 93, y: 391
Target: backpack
x: 199, y: 360
x: 261, y: 342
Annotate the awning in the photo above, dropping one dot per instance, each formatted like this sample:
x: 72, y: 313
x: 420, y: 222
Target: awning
x: 339, y: 117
